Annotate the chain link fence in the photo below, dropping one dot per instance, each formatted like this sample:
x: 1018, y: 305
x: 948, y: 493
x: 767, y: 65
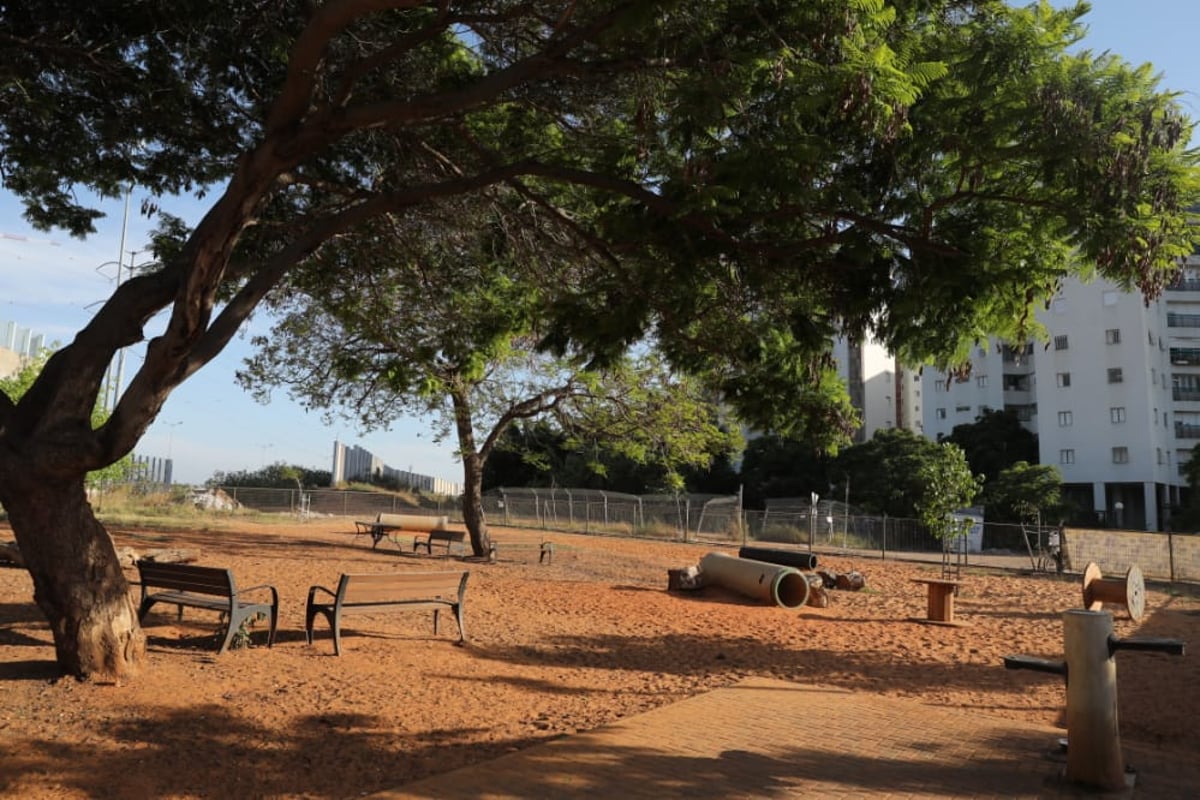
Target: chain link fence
x: 828, y: 526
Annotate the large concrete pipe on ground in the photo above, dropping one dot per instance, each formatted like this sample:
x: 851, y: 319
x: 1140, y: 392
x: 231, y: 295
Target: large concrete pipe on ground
x: 788, y: 558
x: 773, y: 583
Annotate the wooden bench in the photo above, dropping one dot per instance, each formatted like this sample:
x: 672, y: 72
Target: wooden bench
x: 404, y: 591
x: 384, y: 525
x: 209, y: 588
x: 449, y: 541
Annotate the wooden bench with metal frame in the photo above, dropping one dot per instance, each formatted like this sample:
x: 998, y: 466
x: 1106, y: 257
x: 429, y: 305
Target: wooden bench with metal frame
x: 451, y: 542
x: 209, y: 588
x: 386, y: 591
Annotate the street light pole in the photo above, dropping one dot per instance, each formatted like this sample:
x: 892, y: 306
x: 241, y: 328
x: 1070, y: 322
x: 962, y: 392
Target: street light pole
x: 171, y: 426
x: 120, y: 268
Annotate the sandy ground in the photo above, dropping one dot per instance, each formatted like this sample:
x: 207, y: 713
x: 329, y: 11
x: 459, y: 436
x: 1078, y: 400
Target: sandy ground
x: 554, y: 648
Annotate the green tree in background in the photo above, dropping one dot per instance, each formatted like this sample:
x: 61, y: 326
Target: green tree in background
x: 774, y: 466
x: 275, y: 476
x: 1024, y: 493
x: 746, y: 178
x: 947, y: 485
x: 995, y: 441
x: 884, y: 472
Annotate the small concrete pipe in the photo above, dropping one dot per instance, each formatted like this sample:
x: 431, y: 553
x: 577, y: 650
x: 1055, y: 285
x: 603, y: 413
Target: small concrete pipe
x: 773, y: 555
x: 772, y: 583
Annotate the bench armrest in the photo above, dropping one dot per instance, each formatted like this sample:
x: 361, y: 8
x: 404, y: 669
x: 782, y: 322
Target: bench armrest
x: 312, y: 593
x: 274, y: 592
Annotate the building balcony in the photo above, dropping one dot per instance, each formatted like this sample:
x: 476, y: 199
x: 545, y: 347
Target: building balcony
x: 1186, y: 395
x: 1185, y: 285
x: 1184, y: 431
x: 1017, y: 397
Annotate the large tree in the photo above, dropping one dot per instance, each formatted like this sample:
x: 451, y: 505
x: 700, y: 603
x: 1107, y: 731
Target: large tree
x: 1024, y: 493
x: 895, y: 471
x: 995, y: 441
x: 750, y: 176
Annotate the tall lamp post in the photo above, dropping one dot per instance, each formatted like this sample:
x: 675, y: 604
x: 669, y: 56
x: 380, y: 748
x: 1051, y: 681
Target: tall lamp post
x: 171, y: 426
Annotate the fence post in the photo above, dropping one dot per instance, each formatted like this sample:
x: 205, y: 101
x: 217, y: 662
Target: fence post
x: 1171, y: 552
x: 883, y: 542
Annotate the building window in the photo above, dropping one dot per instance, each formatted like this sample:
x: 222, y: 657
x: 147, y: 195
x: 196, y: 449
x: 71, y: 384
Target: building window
x: 1120, y: 455
x: 1110, y: 298
x: 1158, y: 453
x: 981, y: 381
x: 1117, y: 414
x: 1065, y: 419
x: 982, y: 352
x: 1064, y: 379
x: 1066, y: 456
x: 1112, y: 336
x: 1060, y: 342
x: 962, y: 409
x: 1115, y: 375
x: 1150, y: 337
x: 940, y: 413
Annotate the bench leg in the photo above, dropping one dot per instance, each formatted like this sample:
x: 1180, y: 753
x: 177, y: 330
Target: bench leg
x: 310, y: 617
x: 230, y: 631
x: 458, y: 615
x: 436, y: 611
x: 335, y: 622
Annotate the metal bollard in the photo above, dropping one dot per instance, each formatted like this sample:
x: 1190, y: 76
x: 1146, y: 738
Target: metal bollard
x: 1093, y: 735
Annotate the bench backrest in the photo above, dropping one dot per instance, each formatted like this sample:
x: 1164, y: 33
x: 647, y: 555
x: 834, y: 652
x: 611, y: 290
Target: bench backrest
x: 392, y: 587
x: 447, y: 536
x: 187, y: 578
x: 413, y: 522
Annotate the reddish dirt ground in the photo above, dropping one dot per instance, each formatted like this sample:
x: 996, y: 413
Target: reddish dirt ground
x: 554, y: 648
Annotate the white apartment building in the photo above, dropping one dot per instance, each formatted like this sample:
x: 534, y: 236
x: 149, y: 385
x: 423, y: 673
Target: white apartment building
x: 1114, y: 395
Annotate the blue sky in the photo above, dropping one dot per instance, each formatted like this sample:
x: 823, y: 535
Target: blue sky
x: 48, y: 282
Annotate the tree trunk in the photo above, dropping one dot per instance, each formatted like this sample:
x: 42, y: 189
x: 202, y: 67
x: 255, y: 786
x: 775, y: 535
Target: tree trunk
x: 472, y: 504
x: 77, y: 579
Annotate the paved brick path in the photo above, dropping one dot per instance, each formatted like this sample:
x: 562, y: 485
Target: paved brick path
x: 774, y: 739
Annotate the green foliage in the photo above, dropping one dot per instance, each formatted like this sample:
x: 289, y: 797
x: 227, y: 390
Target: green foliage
x: 1023, y: 492
x: 898, y: 472
x: 774, y: 466
x: 275, y: 476
x: 948, y: 486
x: 995, y: 442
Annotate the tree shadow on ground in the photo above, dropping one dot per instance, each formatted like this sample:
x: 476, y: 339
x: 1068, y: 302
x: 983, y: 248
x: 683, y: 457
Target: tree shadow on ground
x: 209, y: 751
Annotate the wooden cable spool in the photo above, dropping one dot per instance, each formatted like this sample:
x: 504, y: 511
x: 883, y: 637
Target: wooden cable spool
x: 1130, y: 592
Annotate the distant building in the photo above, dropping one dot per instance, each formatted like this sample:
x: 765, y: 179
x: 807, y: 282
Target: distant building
x: 1113, y: 395
x: 16, y: 345
x: 356, y: 463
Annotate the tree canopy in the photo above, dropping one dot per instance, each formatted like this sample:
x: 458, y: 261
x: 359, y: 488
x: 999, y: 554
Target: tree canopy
x: 745, y: 178
x: 1024, y: 492
x: 896, y: 473
x: 995, y: 441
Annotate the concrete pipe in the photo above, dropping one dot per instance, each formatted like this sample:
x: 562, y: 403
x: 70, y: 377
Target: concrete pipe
x: 788, y: 558
x: 773, y: 583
